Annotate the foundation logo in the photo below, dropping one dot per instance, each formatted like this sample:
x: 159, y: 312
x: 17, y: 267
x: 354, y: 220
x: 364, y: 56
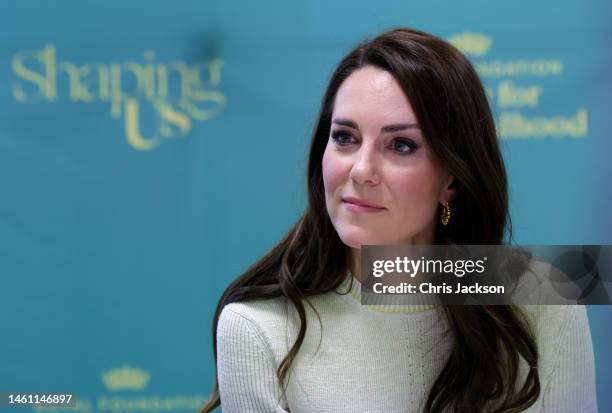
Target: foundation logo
x: 135, y: 400
x: 155, y: 100
x: 515, y: 87
x: 125, y: 378
x: 473, y: 44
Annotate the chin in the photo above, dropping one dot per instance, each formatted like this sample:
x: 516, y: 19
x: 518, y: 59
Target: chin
x: 356, y: 237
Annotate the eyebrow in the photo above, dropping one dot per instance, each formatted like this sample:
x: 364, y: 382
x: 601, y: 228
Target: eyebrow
x: 387, y: 128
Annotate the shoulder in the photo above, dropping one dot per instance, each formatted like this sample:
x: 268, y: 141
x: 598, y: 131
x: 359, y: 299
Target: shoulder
x: 259, y: 323
x: 260, y: 314
x: 275, y: 322
x: 246, y: 358
x: 551, y: 321
x: 561, y: 332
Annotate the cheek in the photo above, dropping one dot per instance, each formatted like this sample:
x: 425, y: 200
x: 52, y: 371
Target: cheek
x: 417, y: 191
x: 333, y: 172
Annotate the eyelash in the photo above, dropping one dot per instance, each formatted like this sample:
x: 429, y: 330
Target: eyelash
x: 338, y: 135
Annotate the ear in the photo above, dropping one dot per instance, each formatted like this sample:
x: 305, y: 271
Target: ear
x: 449, y: 190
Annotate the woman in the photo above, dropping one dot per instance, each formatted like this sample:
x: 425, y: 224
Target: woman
x: 404, y: 152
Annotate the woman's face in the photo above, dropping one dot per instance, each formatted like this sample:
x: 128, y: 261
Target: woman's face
x: 382, y: 182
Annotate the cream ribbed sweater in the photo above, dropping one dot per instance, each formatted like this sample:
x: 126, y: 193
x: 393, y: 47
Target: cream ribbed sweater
x: 378, y: 358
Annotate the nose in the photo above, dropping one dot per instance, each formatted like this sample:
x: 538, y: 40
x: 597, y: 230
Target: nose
x: 364, y: 170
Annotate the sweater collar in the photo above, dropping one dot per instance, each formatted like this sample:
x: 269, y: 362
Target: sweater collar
x: 383, y: 303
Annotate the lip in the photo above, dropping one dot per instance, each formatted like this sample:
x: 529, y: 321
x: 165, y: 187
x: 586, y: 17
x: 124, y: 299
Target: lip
x: 361, y: 205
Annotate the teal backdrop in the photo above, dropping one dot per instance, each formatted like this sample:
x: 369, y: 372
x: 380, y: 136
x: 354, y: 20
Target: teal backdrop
x: 151, y: 150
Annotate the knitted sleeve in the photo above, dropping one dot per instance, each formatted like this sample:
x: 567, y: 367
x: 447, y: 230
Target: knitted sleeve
x: 245, y: 366
x: 571, y: 385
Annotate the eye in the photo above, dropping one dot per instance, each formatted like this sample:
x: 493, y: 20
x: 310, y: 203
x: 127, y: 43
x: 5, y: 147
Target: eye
x: 403, y: 146
x: 342, y: 138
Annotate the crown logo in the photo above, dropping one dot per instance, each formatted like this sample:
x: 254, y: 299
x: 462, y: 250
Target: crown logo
x: 475, y: 44
x: 125, y: 378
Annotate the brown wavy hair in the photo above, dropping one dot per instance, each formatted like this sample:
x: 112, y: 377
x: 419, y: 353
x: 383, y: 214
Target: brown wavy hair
x: 452, y: 110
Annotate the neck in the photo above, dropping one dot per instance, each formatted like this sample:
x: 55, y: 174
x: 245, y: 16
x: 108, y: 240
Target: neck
x: 355, y: 263
x: 425, y: 238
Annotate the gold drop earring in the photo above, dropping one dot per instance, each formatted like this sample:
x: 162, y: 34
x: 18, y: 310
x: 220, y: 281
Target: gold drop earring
x: 446, y: 214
